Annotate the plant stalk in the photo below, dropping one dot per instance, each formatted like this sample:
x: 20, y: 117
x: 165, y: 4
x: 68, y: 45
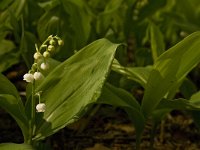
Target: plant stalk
x: 32, y: 121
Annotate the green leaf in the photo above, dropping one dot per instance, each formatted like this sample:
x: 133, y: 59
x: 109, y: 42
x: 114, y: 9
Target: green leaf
x: 195, y: 98
x: 118, y: 97
x: 80, y: 20
x: 8, y: 55
x: 49, y: 23
x: 10, y: 146
x: 157, y: 41
x: 11, y: 102
x: 73, y: 85
x: 138, y: 74
x: 4, y: 4
x: 150, y: 8
x: 169, y: 69
x: 178, y: 104
x: 121, y: 98
x: 188, y: 88
x: 110, y: 17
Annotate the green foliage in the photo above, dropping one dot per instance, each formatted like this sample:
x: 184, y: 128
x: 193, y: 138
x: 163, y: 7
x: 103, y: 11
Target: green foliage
x: 6, y: 146
x: 170, y: 69
x: 120, y: 98
x: 11, y: 102
x: 147, y: 27
x: 73, y: 85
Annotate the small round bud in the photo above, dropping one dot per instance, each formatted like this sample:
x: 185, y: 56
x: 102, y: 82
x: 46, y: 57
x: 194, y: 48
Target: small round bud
x: 51, y: 48
x: 28, y: 77
x: 34, y: 66
x: 60, y: 42
x: 52, y: 42
x: 183, y: 34
x: 41, y: 107
x: 37, y: 55
x: 44, y: 66
x: 38, y: 76
x: 50, y: 36
x: 46, y: 54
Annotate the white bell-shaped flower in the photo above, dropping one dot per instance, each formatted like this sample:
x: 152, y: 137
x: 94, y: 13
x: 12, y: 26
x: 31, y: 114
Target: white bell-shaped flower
x: 28, y: 77
x: 44, y: 66
x: 41, y: 107
x: 38, y: 76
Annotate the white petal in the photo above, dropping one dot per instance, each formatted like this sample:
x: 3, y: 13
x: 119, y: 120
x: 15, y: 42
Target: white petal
x: 28, y: 77
x: 44, y: 66
x: 41, y: 107
x: 38, y: 76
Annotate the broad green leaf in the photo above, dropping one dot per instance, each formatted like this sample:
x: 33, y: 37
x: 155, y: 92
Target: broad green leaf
x: 187, y: 88
x: 13, y: 146
x: 74, y: 84
x: 178, y: 104
x: 112, y: 6
x: 11, y: 102
x: 16, y: 8
x: 120, y: 98
x: 8, y: 55
x: 169, y: 69
x: 80, y: 19
x: 195, y: 98
x: 187, y: 10
x: 110, y: 18
x: 8, y: 60
x: 165, y: 106
x: 157, y: 41
x: 151, y: 7
x: 50, y: 23
x: 6, y: 47
x: 4, y: 4
x: 138, y: 74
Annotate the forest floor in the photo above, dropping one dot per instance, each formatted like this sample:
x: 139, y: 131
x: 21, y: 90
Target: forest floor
x: 109, y: 129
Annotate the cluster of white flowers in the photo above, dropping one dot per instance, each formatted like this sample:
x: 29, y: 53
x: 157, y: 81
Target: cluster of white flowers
x: 40, y: 63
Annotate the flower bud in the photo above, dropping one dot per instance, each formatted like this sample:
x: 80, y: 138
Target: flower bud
x: 60, y: 42
x: 50, y: 36
x: 38, y: 76
x: 52, y: 42
x: 37, y: 55
x: 34, y: 66
x: 44, y: 66
x: 41, y: 107
x: 46, y: 54
x: 51, y: 48
x: 28, y: 77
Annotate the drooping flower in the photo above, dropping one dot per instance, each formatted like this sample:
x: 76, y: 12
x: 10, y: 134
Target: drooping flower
x: 41, y: 107
x: 52, y: 42
x: 46, y: 54
x: 28, y: 77
x: 38, y: 76
x: 60, y: 42
x: 51, y: 48
x: 44, y: 66
x: 37, y: 55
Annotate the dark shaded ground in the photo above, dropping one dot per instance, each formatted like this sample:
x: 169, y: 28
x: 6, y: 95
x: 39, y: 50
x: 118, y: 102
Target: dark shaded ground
x: 108, y: 128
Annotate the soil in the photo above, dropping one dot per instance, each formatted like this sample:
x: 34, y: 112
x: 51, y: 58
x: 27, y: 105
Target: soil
x: 108, y: 129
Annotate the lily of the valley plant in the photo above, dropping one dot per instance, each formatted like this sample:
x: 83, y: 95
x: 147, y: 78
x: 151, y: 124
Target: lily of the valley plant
x: 57, y: 93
